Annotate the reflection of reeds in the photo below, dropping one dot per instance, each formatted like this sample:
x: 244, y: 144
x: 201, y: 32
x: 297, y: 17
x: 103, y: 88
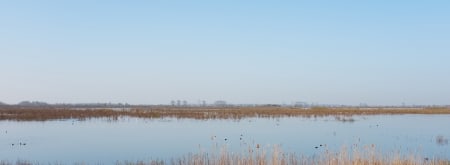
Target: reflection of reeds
x: 42, y: 114
x: 441, y: 140
x: 19, y: 162
x: 344, y: 119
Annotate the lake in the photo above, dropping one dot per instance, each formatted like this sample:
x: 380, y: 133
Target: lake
x: 130, y: 139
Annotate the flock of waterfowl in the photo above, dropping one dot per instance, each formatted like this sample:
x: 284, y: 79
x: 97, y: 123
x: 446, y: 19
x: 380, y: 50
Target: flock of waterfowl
x: 14, y: 144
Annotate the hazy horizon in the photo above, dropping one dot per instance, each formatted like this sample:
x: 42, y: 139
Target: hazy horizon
x: 152, y: 52
x: 214, y: 103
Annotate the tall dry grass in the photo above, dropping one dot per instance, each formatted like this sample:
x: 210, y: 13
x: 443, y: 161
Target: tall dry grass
x: 367, y: 155
x: 202, y: 113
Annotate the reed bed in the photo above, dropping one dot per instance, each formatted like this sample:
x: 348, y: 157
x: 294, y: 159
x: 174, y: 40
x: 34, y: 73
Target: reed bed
x: 367, y: 155
x: 202, y: 113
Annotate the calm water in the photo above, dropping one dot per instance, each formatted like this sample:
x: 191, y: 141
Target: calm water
x: 103, y: 141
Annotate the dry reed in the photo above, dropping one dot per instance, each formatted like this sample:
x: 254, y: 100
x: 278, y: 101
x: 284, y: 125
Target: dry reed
x: 367, y: 155
x: 43, y: 114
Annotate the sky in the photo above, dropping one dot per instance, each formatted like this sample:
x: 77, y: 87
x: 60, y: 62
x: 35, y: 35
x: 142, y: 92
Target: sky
x: 349, y: 52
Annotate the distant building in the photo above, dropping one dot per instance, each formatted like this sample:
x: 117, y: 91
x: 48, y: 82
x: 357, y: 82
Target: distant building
x: 220, y: 103
x: 203, y: 103
x: 300, y: 104
x: 32, y: 103
x: 363, y: 105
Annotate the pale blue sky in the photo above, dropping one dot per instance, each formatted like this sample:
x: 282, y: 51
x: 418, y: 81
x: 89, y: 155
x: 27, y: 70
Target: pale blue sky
x: 150, y: 52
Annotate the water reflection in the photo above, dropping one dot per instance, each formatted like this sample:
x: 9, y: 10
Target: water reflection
x: 107, y: 141
x: 441, y: 140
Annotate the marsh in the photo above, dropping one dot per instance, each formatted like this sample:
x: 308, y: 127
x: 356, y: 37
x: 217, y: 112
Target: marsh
x: 103, y: 140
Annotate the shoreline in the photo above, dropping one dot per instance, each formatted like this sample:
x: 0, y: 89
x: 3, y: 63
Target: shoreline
x: 200, y: 113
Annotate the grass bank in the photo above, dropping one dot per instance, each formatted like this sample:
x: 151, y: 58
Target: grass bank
x: 49, y: 113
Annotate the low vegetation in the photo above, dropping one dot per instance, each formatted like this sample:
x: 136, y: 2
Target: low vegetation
x: 203, y: 113
x: 367, y: 155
